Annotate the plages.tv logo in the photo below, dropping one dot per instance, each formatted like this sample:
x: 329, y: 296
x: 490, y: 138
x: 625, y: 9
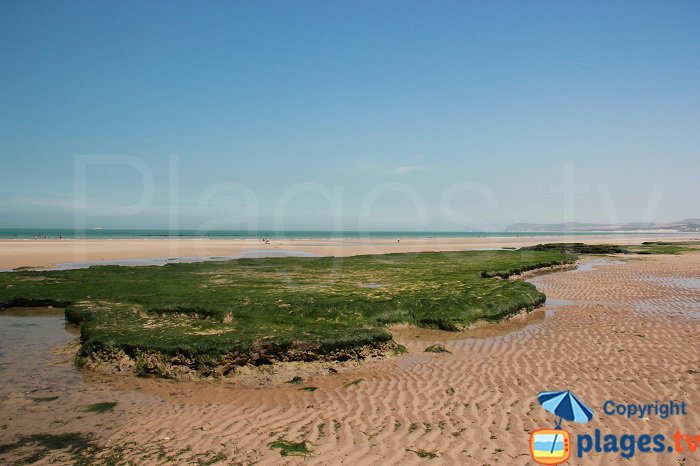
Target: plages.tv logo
x: 553, y: 446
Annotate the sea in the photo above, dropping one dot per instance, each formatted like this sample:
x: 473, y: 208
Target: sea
x: 106, y: 233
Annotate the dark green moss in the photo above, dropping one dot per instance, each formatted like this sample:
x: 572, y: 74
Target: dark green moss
x: 436, y: 349
x: 78, y: 445
x: 578, y: 248
x: 43, y: 399
x: 101, y: 407
x: 209, y: 459
x: 289, y: 448
x: 664, y: 247
x: 423, y: 453
x: 354, y: 382
x: 648, y: 247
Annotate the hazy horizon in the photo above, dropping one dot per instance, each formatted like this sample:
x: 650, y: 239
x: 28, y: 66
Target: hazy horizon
x: 428, y: 116
x: 633, y: 227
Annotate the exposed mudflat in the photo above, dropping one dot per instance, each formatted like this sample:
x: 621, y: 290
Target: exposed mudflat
x: 627, y: 330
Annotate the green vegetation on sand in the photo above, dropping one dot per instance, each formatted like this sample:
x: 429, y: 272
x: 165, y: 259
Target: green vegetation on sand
x: 44, y: 399
x: 423, y: 453
x: 665, y: 247
x: 101, y: 407
x: 354, y: 382
x: 211, y: 317
x: 289, y: 448
x: 578, y: 248
x: 33, y: 448
x: 436, y: 349
x: 648, y: 247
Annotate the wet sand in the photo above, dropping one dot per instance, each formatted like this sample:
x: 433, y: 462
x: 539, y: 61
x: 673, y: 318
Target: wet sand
x: 626, y: 331
x: 51, y: 253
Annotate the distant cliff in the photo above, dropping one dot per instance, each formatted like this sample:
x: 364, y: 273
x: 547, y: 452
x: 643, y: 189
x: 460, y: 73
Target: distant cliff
x: 687, y: 225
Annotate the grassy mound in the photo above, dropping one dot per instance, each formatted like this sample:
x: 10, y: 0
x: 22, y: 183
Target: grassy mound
x: 209, y: 317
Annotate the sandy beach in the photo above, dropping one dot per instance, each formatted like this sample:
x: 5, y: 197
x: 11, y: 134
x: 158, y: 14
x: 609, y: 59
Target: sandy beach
x: 624, y: 329
x: 50, y: 253
x: 340, y: 233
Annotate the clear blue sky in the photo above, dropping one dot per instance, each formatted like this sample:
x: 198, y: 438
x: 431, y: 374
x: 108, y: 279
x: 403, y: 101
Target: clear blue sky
x: 411, y: 115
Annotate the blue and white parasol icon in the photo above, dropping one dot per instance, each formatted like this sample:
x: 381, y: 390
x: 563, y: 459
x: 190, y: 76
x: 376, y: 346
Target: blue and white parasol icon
x: 565, y: 405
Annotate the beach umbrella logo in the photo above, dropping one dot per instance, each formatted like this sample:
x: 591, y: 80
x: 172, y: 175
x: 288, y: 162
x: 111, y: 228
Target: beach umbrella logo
x: 566, y: 405
x: 553, y: 446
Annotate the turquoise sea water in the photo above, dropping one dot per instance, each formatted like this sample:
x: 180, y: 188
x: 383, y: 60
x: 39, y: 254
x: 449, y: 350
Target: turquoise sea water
x: 30, y: 233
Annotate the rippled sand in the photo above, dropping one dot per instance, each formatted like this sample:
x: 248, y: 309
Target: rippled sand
x: 627, y: 331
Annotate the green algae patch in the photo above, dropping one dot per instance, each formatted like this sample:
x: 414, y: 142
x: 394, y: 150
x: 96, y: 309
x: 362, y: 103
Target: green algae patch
x: 207, y: 319
x: 436, y: 349
x: 44, y: 399
x: 289, y: 448
x: 423, y: 453
x: 354, y: 382
x: 102, y: 407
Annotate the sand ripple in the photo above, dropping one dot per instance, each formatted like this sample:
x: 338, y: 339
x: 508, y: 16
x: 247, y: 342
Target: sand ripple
x: 626, y: 331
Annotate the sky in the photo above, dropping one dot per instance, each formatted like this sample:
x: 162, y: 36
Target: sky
x: 369, y: 115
